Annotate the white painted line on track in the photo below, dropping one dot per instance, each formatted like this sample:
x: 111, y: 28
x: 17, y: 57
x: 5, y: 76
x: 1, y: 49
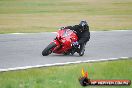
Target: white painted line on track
x: 17, y: 33
x: 120, y: 30
x: 54, y: 32
x: 59, y: 64
x: 90, y: 31
x: 105, y: 31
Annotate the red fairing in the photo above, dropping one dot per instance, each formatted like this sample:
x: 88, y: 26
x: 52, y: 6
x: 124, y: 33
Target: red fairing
x: 64, y: 40
x: 56, y: 42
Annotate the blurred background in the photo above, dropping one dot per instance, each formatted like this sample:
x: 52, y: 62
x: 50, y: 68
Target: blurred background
x: 49, y: 15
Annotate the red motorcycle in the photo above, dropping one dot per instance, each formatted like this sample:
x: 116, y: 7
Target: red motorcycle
x: 62, y: 44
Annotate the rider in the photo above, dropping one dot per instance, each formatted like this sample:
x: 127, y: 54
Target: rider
x: 82, y: 31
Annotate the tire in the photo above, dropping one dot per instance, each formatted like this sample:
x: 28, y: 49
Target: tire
x: 81, y: 53
x: 47, y: 50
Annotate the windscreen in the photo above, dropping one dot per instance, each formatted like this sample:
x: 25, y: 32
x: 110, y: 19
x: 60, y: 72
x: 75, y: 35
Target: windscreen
x: 67, y: 33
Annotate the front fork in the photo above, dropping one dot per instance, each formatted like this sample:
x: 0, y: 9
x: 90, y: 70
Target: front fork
x: 56, y: 41
x: 57, y: 44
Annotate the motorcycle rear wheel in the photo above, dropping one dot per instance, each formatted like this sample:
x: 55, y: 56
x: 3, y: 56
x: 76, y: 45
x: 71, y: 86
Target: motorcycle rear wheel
x: 48, y: 50
x: 81, y: 53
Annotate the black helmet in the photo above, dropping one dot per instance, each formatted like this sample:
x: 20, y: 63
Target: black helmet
x: 83, y: 25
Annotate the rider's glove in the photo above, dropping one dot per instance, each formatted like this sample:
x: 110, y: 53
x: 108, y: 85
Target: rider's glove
x: 75, y: 44
x: 62, y: 28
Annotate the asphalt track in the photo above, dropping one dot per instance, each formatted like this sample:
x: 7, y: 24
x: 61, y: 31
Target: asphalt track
x: 18, y: 51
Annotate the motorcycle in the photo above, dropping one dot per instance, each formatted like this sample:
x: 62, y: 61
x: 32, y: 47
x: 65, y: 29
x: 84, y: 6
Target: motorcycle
x: 62, y: 44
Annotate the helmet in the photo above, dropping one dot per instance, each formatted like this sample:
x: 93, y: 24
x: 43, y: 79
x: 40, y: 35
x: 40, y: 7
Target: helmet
x: 83, y: 25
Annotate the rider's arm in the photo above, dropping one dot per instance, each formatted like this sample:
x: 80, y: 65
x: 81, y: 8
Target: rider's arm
x: 75, y: 27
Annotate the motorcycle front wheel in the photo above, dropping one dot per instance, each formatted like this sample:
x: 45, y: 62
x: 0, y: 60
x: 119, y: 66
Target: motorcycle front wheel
x: 48, y: 50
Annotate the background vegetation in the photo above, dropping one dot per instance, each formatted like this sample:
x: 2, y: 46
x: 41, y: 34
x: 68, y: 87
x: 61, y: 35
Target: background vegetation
x: 49, y: 15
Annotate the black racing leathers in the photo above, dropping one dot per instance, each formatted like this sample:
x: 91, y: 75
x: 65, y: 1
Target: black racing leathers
x: 83, y: 36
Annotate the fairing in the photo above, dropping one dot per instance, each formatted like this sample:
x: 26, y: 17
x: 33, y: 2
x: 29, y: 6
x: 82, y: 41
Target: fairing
x: 64, y: 41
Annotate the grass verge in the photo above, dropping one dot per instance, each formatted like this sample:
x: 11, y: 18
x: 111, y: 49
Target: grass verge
x: 47, y: 15
x: 66, y: 76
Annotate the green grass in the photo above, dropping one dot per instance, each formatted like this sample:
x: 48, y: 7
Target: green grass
x: 66, y: 76
x: 49, y: 15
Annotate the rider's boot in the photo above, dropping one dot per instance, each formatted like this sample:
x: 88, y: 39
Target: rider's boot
x: 81, y: 50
